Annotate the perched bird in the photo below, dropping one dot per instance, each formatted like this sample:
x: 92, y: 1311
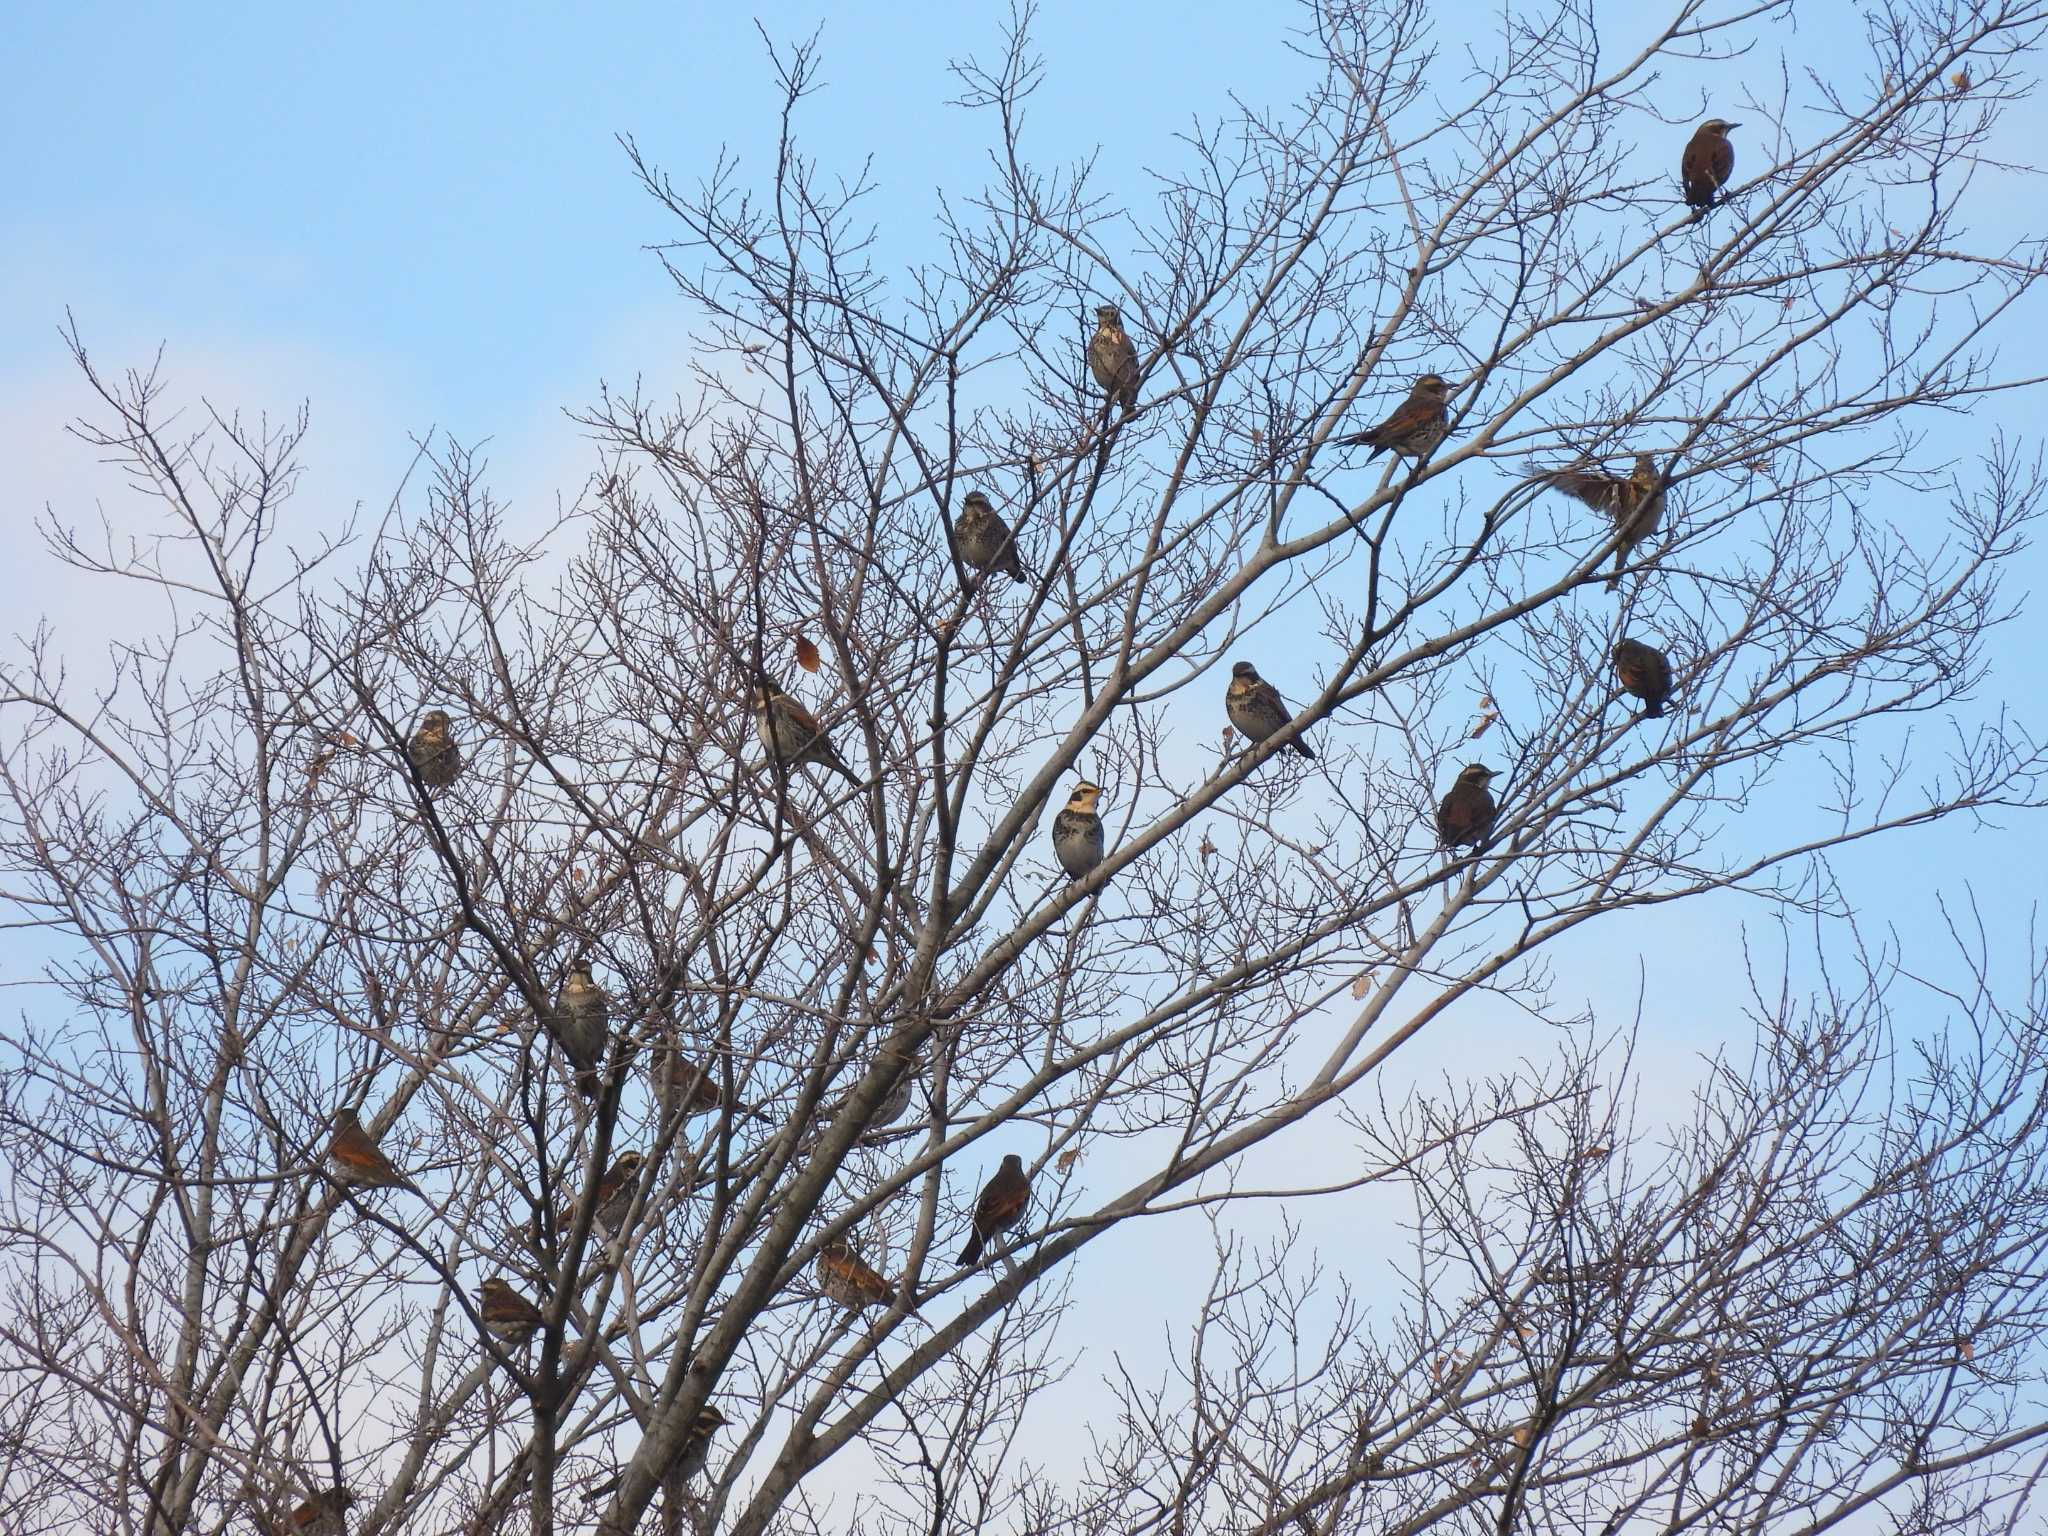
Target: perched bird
x: 1708, y: 162
x: 894, y: 1101
x: 1112, y: 358
x: 357, y: 1159
x: 1636, y: 504
x: 984, y: 539
x: 324, y: 1514
x: 507, y: 1313
x: 1466, y: 814
x: 1000, y: 1207
x: 791, y: 733
x: 579, y: 1023
x: 687, y: 1090
x: 1255, y: 707
x: 1645, y: 672
x: 614, y: 1197
x: 696, y: 1448
x: 1077, y: 832
x: 845, y: 1277
x: 432, y: 750
x: 1418, y: 424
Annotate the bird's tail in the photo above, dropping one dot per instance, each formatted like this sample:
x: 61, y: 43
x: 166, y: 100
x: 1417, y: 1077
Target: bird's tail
x: 1654, y: 712
x: 973, y: 1249
x: 1303, y: 748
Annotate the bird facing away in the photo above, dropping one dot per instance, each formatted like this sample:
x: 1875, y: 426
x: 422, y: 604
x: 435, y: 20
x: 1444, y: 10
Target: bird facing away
x: 984, y: 539
x: 1708, y: 162
x: 1645, y: 672
x: 846, y: 1278
x: 1465, y: 815
x: 1077, y: 832
x: 579, y: 1023
x: 687, y: 1089
x: 1112, y: 358
x: 357, y: 1159
x: 1418, y: 424
x: 1256, y: 708
x: 791, y: 733
x: 507, y: 1313
x: 324, y: 1514
x: 1636, y: 504
x: 1000, y: 1207
x: 432, y: 750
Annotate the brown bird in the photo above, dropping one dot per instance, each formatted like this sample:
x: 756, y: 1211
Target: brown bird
x: 791, y: 733
x: 507, y: 1313
x: 696, y: 1447
x: 579, y: 1023
x: 1112, y: 358
x: 687, y: 1089
x: 1636, y: 504
x: 1466, y: 814
x: 1000, y: 1207
x: 846, y: 1278
x: 894, y: 1101
x: 1418, y: 424
x: 432, y: 750
x: 615, y: 1191
x: 1708, y: 162
x: 357, y: 1159
x: 1077, y: 832
x: 1645, y: 672
x: 1255, y: 707
x: 984, y: 539
x: 324, y: 1514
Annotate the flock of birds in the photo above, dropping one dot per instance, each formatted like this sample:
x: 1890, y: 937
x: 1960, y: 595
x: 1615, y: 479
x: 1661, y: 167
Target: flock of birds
x: 579, y: 1021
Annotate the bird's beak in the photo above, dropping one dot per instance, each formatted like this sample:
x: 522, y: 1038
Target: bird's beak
x: 1731, y: 127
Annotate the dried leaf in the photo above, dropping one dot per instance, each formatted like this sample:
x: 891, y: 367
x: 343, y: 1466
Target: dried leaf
x: 1701, y: 1428
x: 576, y: 873
x: 1524, y: 1433
x: 1790, y: 300
x: 1969, y: 1350
x: 1960, y: 79
x: 1595, y: 1154
x: 317, y: 767
x: 1362, y: 985
x: 1229, y: 735
x: 1208, y: 849
x: 1258, y: 438
x: 807, y: 654
x: 1066, y: 1160
x: 1485, y: 724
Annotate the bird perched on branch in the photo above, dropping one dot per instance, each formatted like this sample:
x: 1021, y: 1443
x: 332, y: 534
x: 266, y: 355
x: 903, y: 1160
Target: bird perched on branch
x: 686, y: 1089
x: 1645, y: 672
x: 506, y: 1313
x: 1636, y: 503
x: 1418, y: 424
x: 846, y: 1278
x: 324, y: 1514
x: 985, y: 540
x: 893, y: 1102
x: 579, y: 1023
x: 1708, y: 162
x: 690, y: 1455
x: 614, y: 1197
x: 432, y: 751
x: 1112, y: 358
x: 356, y: 1158
x: 1000, y: 1207
x: 1077, y: 832
x: 1256, y: 708
x: 1465, y: 816
x: 791, y: 733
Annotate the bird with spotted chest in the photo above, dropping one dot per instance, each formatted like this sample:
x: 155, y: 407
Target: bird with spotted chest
x: 984, y: 540
x: 1113, y: 359
x: 1416, y: 427
x: 1256, y: 708
x: 432, y: 750
x: 1077, y: 838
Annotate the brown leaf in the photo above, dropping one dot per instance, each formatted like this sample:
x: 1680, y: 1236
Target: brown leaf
x: 1485, y: 724
x: 1229, y: 735
x: 576, y: 873
x: 317, y: 767
x: 1362, y: 985
x: 1595, y: 1154
x: 1701, y: 1428
x: 348, y: 739
x: 1523, y: 1434
x: 1208, y: 849
x: 1969, y: 1350
x: 1960, y: 79
x: 1258, y: 438
x: 807, y: 654
x: 1066, y: 1160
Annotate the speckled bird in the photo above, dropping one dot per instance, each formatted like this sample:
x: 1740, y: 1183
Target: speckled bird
x: 434, y: 755
x: 355, y: 1157
x: 506, y: 1313
x: 1077, y: 839
x: 848, y: 1279
x: 1465, y: 815
x: 1645, y: 672
x: 579, y: 1023
x: 1416, y: 427
x: 1256, y: 708
x: 792, y: 734
x: 1112, y: 358
x: 1708, y: 162
x: 1635, y: 503
x: 984, y: 539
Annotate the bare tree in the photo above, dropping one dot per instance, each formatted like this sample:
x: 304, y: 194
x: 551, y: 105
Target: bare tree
x: 840, y: 983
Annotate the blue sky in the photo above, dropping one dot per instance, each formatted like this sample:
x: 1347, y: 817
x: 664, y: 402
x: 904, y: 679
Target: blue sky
x: 418, y: 217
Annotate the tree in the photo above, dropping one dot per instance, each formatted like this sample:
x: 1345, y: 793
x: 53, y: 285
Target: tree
x: 259, y: 907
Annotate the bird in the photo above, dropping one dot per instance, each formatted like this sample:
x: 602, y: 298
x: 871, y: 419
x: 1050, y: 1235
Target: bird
x: 324, y: 1514
x: 696, y: 1447
x: 687, y: 1090
x: 1636, y: 504
x: 1000, y: 1207
x: 1112, y: 358
x: 895, y: 1100
x: 1708, y: 162
x: 432, y: 751
x: 791, y: 733
x: 846, y: 1278
x: 357, y: 1159
x: 579, y: 1024
x: 1077, y: 832
x: 507, y: 1313
x: 985, y: 540
x: 1255, y: 707
x: 614, y: 1197
x: 1417, y: 425
x: 1645, y: 672
x: 1466, y: 814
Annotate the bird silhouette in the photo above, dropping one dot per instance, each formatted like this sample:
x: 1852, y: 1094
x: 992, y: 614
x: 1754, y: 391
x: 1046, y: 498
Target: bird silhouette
x: 1645, y: 672
x: 1000, y: 1207
x: 1465, y: 816
x: 1708, y: 162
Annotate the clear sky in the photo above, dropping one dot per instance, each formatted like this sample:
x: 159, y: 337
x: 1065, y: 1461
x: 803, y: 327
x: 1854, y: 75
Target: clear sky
x: 418, y: 217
